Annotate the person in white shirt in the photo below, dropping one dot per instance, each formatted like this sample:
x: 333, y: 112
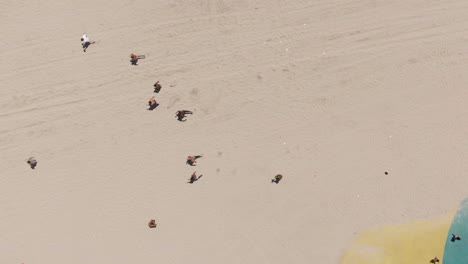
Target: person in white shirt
x: 85, y: 42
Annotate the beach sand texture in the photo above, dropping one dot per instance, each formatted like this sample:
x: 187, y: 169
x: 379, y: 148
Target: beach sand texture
x: 331, y: 94
x: 417, y: 242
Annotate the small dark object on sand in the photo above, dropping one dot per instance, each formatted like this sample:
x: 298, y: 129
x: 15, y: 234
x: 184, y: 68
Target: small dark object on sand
x: 152, y: 223
x: 32, y: 162
x: 277, y: 178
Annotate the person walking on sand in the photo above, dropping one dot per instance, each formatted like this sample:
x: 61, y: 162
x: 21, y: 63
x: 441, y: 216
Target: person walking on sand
x: 152, y: 104
x: 277, y: 178
x: 434, y: 260
x: 194, y: 177
x: 181, y: 114
x: 85, y: 42
x: 157, y: 87
x: 32, y: 162
x: 152, y: 223
x: 133, y: 59
x: 191, y: 160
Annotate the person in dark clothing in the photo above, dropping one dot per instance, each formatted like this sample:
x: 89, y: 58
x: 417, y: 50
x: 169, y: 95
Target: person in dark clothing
x: 191, y: 160
x: 157, y: 87
x: 455, y: 238
x: 181, y: 114
x: 152, y: 104
x: 194, y: 178
x: 277, y: 178
x: 32, y: 162
x: 133, y: 59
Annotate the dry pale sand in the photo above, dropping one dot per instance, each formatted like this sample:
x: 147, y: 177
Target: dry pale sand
x: 330, y: 93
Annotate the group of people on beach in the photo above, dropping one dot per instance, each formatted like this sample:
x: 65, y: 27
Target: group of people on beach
x: 181, y: 116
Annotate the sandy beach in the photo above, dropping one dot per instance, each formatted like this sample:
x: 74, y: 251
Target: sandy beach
x: 330, y: 94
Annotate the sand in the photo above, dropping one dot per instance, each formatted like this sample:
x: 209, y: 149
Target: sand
x: 331, y: 94
x: 408, y: 243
